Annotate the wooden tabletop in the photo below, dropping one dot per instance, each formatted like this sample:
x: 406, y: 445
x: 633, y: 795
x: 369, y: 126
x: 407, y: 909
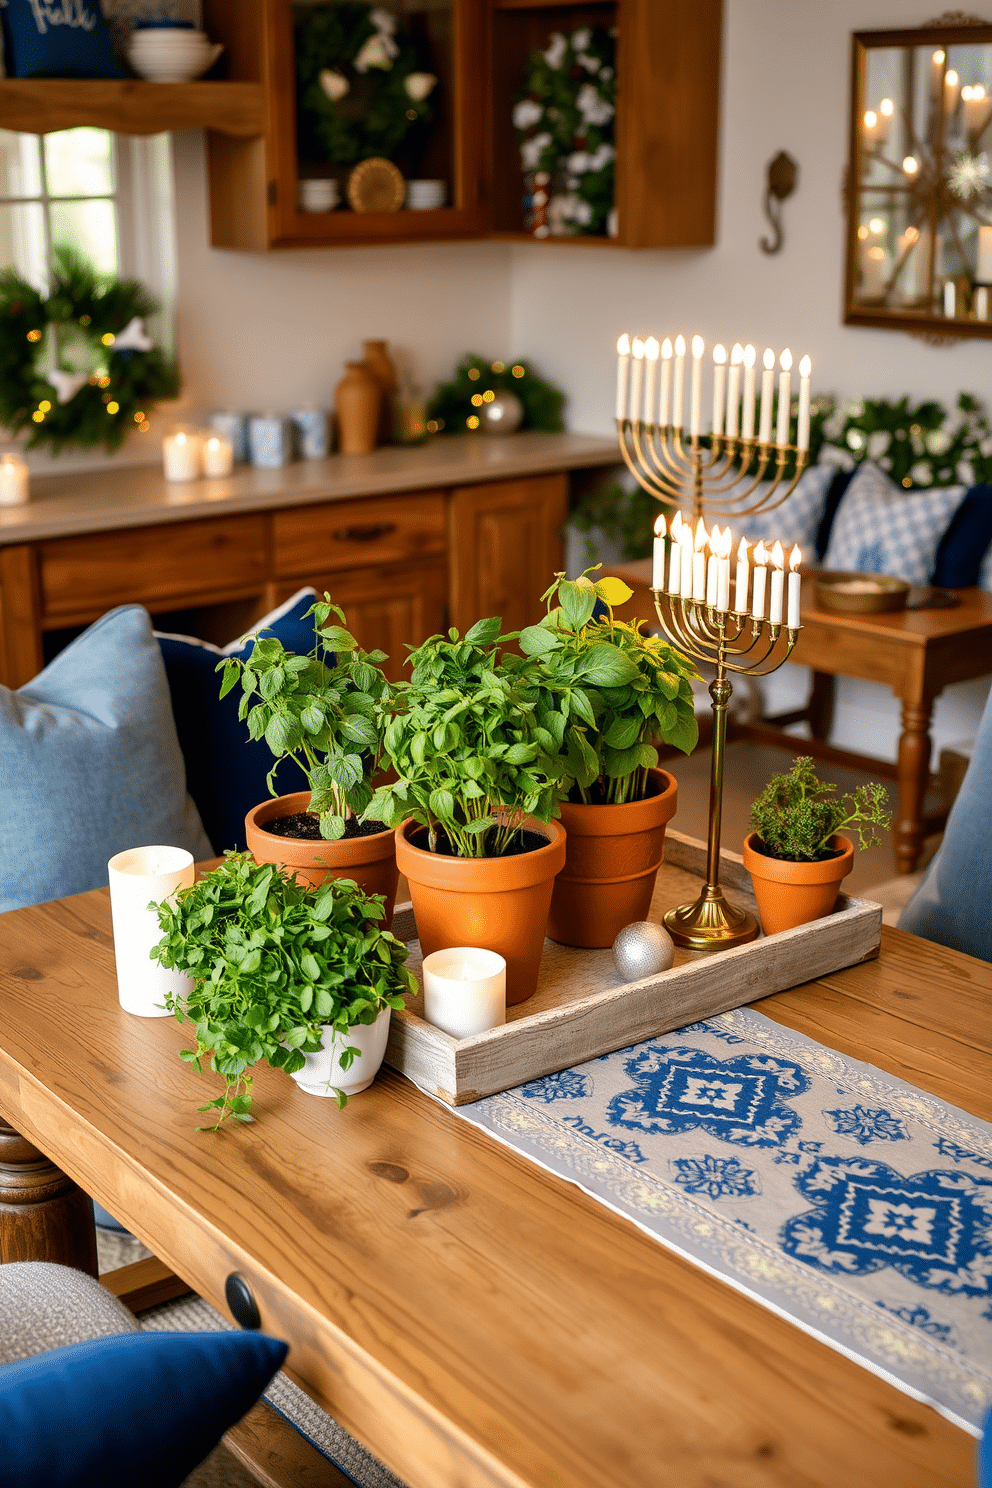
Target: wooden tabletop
x: 473, y: 1319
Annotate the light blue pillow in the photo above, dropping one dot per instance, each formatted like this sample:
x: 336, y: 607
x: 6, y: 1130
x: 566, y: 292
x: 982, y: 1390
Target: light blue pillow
x: 90, y: 765
x: 880, y: 528
x: 797, y: 520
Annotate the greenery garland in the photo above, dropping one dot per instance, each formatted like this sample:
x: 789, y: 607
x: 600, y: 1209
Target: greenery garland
x: 359, y: 83
x: 456, y: 405
x: 87, y: 311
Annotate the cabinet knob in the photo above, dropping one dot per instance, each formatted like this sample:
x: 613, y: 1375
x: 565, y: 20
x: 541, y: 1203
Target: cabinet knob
x: 365, y: 533
x: 244, y: 1308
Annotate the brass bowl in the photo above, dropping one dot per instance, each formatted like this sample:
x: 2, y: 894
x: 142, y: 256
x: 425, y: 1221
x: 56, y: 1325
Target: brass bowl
x: 860, y: 593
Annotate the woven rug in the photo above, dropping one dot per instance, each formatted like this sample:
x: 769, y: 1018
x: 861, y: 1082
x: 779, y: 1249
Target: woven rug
x: 839, y: 1196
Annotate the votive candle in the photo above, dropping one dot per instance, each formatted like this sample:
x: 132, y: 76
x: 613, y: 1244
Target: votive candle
x: 760, y: 576
x: 14, y: 479
x: 181, y: 456
x: 464, y: 990
x: 218, y: 456
x: 778, y: 585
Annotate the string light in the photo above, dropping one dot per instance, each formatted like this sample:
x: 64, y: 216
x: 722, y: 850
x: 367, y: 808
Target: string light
x: 34, y: 336
x: 472, y: 422
x: 108, y: 339
x: 518, y: 371
x: 474, y: 374
x: 488, y: 395
x: 476, y: 400
x: 113, y: 408
x: 499, y: 367
x: 44, y: 406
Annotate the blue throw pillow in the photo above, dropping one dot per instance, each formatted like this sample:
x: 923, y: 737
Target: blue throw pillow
x: 142, y: 1408
x: 880, y: 528
x: 985, y: 572
x: 966, y: 541
x: 225, y: 770
x: 90, y: 765
x: 58, y: 38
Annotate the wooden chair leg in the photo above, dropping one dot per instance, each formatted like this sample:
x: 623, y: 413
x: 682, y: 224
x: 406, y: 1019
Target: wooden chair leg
x: 277, y: 1455
x: 44, y: 1216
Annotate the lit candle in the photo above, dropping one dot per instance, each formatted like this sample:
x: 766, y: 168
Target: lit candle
x: 13, y: 479
x: 983, y: 267
x: 976, y: 111
x: 886, y: 109
x: 741, y: 578
x: 686, y: 566
x: 795, y: 559
x: 678, y: 397
x: 713, y: 567
x: 623, y: 372
x: 767, y: 394
x: 747, y: 423
x: 658, y: 555
x: 760, y: 574
x: 778, y: 585
x: 871, y: 132
x: 936, y: 71
x: 719, y: 388
x: 464, y: 990
x: 637, y: 379
x: 675, y: 557
x: 695, y: 413
x: 699, y: 562
x: 876, y: 267
x: 139, y: 877
x: 218, y: 456
x: 666, y: 382
x: 950, y: 299
x: 784, y: 399
x: 802, y: 434
x: 910, y: 165
x: 734, y: 390
x: 723, y: 571
x: 650, y: 377
x: 181, y: 456
x: 952, y: 85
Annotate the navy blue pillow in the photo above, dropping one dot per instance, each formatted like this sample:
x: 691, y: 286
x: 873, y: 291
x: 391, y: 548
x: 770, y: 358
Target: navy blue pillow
x: 142, y: 1408
x: 835, y: 492
x: 225, y: 770
x: 63, y: 40
x: 966, y: 541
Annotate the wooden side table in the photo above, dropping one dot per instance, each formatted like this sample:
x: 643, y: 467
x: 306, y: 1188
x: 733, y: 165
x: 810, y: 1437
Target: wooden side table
x: 915, y: 653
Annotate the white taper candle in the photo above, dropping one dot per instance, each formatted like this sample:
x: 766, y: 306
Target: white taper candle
x: 658, y: 555
x: 734, y: 391
x: 713, y: 567
x: 723, y: 571
x: 760, y: 575
x: 665, y: 396
x: 699, y: 562
x: 777, y: 586
x: 802, y: 433
x: 747, y: 421
x: 623, y: 372
x: 767, y: 396
x: 636, y: 378
x: 719, y: 388
x: 675, y: 556
x: 695, y: 412
x: 678, y: 396
x: 784, y: 399
x: 741, y: 578
x: 795, y: 558
x: 685, y: 571
x: 650, y: 377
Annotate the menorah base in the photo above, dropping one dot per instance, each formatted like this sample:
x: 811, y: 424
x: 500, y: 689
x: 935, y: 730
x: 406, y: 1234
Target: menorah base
x: 710, y: 923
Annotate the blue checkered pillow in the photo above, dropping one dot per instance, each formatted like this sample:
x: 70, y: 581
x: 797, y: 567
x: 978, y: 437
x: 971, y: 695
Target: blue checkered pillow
x: 797, y: 520
x: 880, y: 528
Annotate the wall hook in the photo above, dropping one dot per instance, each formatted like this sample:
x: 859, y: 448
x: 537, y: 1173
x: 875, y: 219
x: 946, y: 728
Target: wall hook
x: 783, y: 173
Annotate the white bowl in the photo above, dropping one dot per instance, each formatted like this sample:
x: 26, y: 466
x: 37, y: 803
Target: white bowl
x: 161, y: 57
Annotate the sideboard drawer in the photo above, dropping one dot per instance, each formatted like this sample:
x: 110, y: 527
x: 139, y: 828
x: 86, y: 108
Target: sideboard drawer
x: 155, y: 566
x: 350, y: 534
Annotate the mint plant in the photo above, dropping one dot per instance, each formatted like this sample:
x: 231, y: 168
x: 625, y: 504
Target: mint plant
x: 797, y: 814
x: 319, y: 710
x: 273, y: 963
x: 608, y: 693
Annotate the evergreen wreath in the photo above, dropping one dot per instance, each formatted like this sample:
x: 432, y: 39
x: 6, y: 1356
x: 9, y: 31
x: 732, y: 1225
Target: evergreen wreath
x: 455, y: 406
x: 110, y: 389
x: 359, y: 83
x: 564, y: 117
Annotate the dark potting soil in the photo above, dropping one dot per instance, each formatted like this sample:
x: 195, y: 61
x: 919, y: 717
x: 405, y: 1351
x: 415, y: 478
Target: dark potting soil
x: 302, y: 824
x: 520, y: 842
x: 597, y: 794
x: 823, y: 856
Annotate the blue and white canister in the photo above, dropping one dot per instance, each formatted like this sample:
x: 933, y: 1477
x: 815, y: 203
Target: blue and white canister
x: 310, y: 425
x: 270, y: 440
x: 232, y: 426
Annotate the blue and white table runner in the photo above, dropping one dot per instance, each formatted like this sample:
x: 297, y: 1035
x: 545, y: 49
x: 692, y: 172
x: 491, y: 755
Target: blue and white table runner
x: 839, y: 1196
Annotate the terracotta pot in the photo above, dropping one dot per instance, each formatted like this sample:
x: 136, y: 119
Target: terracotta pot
x: 497, y: 904
x: 383, y: 369
x: 791, y: 894
x: 357, y: 404
x: 611, y: 863
x: 370, y: 861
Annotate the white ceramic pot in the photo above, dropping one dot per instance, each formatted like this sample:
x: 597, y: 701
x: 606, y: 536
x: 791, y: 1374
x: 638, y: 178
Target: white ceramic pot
x: 322, y: 1074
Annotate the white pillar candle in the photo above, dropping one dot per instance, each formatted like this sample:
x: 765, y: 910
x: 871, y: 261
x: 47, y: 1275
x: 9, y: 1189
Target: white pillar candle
x: 699, y: 562
x: 734, y: 391
x: 876, y: 270
x: 747, y: 421
x: 650, y: 377
x: 678, y: 397
x: 218, y: 456
x: 981, y: 302
x: 713, y: 567
x: 760, y: 575
x: 795, y: 558
x: 688, y: 560
x: 869, y: 126
x: 741, y: 578
x: 675, y: 556
x: 886, y: 110
x: 976, y: 111
x: 665, y: 397
x: 623, y: 373
x: 950, y: 299
x: 695, y: 412
x: 139, y: 877
x: 636, y: 378
x: 465, y: 990
x: 983, y: 268
x: 952, y: 88
x: 181, y: 456
x: 719, y: 388
x: 802, y: 432
x: 767, y: 396
x: 723, y: 571
x: 14, y: 479
x: 784, y: 399
x: 658, y: 555
x: 778, y: 585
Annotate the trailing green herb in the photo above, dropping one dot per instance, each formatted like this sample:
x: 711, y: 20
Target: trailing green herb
x: 275, y: 963
x: 797, y: 814
x: 319, y: 710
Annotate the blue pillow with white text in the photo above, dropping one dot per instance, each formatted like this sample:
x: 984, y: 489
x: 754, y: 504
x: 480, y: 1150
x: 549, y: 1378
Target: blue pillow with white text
x: 58, y: 39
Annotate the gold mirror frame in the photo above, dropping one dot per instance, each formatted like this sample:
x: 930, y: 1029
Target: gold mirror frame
x: 899, y: 282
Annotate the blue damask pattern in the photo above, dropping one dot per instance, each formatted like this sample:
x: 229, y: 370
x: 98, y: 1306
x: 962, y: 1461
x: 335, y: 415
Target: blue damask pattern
x: 933, y: 1227
x: 738, y: 1100
x: 919, y: 1317
x: 716, y: 1177
x: 565, y: 1085
x: 957, y: 1153
x: 629, y: 1150
x: 866, y: 1124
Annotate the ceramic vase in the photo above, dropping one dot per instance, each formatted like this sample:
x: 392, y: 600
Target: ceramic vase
x: 383, y: 369
x: 791, y: 894
x: 322, y: 1074
x: 357, y: 406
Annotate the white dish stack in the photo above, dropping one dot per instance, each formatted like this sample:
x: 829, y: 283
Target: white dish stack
x: 425, y: 196
x: 171, y: 54
x: 318, y: 195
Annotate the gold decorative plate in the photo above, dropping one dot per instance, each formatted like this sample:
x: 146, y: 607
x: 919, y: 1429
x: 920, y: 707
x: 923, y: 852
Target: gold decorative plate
x: 376, y: 186
x: 859, y: 593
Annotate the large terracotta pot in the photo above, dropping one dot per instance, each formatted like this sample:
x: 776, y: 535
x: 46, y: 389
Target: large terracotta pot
x: 611, y: 862
x: 357, y: 405
x: 370, y: 861
x: 497, y: 904
x: 791, y: 894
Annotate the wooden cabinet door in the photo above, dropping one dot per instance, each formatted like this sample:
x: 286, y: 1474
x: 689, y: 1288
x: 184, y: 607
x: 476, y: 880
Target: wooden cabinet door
x: 506, y: 546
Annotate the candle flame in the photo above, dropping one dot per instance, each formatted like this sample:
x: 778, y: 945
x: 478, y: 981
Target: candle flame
x: 623, y: 345
x: 750, y: 355
x: 675, y: 531
x: 666, y: 348
x: 737, y: 354
x: 876, y: 226
x: 637, y: 348
x: 871, y: 119
x: 910, y: 165
x: 659, y: 527
x: 951, y: 79
x: 761, y: 553
x: 785, y: 360
x: 702, y: 536
x: 716, y: 538
x: 805, y: 367
x: 651, y: 348
x: 742, y: 551
x: 795, y: 557
x: 726, y: 543
x: 680, y: 346
x: 938, y: 58
x: 778, y: 556
x: 978, y: 92
x: 862, y: 233
x: 180, y: 438
x: 887, y: 107
x: 769, y: 359
x: 685, y: 535
x: 213, y: 443
x: 698, y: 347
x: 719, y: 354
x: 877, y: 255
x: 966, y: 93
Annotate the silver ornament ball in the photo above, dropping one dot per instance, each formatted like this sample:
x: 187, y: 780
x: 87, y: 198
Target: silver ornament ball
x: 503, y: 414
x: 642, y: 949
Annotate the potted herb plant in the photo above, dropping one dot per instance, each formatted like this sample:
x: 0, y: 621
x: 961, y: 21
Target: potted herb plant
x: 476, y: 787
x: 796, y: 853
x: 319, y: 710
x: 609, y: 695
x: 301, y: 977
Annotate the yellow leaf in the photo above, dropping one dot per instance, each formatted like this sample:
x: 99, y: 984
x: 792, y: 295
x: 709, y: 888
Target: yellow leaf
x: 614, y: 591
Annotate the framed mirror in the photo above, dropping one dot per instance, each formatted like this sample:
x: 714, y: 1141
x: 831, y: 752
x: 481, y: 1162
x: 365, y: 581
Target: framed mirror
x: 919, y: 231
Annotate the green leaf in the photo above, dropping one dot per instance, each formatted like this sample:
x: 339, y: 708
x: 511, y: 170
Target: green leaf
x: 232, y: 671
x: 577, y: 603
x: 312, y: 719
x: 279, y: 734
x: 332, y: 828
x: 537, y: 640
x: 442, y: 805
x: 685, y: 734
x: 484, y: 632
x: 622, y: 732
x: 582, y: 705
x: 606, y: 666
x: 310, y: 966
x: 336, y: 638
x: 359, y: 730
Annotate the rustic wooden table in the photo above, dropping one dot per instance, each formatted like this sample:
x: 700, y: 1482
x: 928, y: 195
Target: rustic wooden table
x: 473, y: 1319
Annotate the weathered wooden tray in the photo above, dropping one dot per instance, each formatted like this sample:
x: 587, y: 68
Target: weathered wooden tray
x: 582, y: 1009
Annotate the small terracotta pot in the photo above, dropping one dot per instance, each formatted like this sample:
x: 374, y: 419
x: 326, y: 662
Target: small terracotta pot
x: 383, y: 369
x: 497, y: 904
x: 357, y: 404
x: 370, y: 861
x: 791, y: 894
x: 611, y: 863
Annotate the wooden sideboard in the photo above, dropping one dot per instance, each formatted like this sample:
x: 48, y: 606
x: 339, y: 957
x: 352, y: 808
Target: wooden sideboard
x: 407, y: 541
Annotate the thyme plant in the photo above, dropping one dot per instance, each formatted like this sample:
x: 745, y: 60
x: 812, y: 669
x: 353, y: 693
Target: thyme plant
x: 797, y: 814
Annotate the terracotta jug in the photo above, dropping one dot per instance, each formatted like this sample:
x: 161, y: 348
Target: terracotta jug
x: 383, y: 369
x: 357, y: 405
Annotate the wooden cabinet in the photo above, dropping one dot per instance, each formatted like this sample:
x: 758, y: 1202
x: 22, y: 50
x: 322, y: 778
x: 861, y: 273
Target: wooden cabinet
x: 506, y: 545
x: 356, y: 534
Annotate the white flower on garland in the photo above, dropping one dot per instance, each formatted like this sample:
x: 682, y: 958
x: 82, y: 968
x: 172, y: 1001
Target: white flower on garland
x: 878, y: 443
x: 969, y: 175
x: 419, y: 85
x: 376, y: 53
x: 602, y: 156
x: 384, y: 22
x: 581, y: 39
x: 526, y: 114
x: 593, y: 108
x: 334, y: 84
x: 555, y: 54
x: 133, y: 337
x: 67, y: 384
x: 965, y: 473
x: 833, y: 426
x: 852, y: 407
x: 921, y: 474
x: 591, y: 64
x: 579, y: 162
x: 938, y: 442
x: 532, y: 149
